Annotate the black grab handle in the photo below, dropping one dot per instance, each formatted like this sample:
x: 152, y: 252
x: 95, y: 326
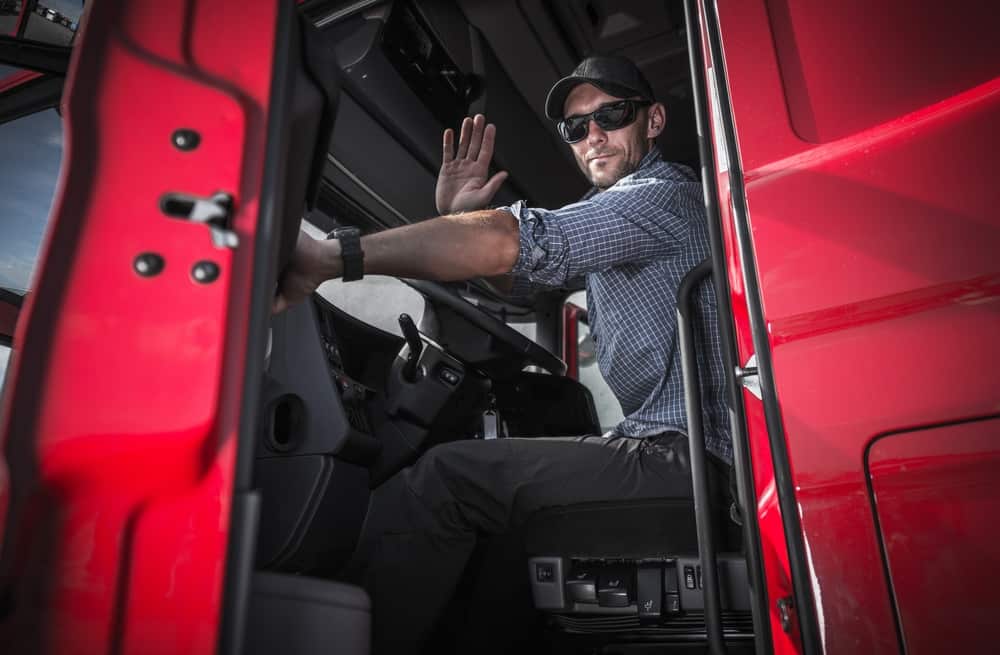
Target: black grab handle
x: 699, y: 470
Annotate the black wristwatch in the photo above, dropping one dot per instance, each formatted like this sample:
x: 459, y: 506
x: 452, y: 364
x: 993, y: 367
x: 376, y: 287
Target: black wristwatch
x: 351, y: 254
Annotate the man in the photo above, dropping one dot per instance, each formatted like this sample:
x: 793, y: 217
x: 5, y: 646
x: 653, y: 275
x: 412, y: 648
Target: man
x: 633, y: 238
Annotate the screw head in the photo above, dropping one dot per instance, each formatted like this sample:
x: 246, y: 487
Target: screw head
x: 148, y: 264
x: 185, y: 139
x: 205, y: 272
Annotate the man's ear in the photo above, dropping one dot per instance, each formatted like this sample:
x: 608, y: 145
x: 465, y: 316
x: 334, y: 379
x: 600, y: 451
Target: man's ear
x: 656, y: 119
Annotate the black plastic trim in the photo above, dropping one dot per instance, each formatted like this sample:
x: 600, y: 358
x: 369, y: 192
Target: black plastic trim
x: 741, y: 444
x: 31, y: 97
x: 699, y: 465
x: 34, y: 55
x: 802, y: 591
x: 245, y: 514
x: 9, y: 297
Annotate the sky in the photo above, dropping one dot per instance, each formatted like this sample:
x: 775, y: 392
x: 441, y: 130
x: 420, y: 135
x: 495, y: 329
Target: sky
x: 30, y: 153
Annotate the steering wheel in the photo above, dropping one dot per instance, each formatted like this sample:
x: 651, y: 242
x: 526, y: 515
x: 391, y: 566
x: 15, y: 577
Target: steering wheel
x: 441, y: 296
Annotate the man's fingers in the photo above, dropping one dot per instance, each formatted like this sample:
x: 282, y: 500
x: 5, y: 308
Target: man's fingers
x: 463, y: 139
x: 493, y: 185
x: 448, y: 146
x: 489, y: 138
x: 478, y: 125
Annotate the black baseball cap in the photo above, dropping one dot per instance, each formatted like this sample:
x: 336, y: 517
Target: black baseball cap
x: 615, y: 75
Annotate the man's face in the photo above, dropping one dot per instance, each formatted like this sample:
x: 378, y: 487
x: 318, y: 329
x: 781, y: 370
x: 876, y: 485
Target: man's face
x: 607, y: 156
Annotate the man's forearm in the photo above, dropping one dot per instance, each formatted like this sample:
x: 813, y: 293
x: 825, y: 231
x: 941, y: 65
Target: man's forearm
x: 458, y: 247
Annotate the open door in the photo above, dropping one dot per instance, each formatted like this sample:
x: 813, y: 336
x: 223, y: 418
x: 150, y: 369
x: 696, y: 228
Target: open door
x: 191, y: 135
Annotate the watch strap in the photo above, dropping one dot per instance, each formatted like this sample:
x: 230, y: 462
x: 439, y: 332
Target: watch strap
x: 351, y: 255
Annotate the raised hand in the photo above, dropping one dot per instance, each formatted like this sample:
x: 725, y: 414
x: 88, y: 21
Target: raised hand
x: 462, y: 183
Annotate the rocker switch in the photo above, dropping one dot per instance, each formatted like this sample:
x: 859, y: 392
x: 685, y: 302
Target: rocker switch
x: 649, y: 593
x: 582, y: 586
x: 690, y: 581
x: 613, y: 588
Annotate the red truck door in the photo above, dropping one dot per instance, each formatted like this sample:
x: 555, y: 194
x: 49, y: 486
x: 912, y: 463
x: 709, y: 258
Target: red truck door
x: 856, y: 176
x: 128, y: 521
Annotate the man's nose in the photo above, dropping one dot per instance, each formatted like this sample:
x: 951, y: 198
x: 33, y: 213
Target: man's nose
x: 595, y: 134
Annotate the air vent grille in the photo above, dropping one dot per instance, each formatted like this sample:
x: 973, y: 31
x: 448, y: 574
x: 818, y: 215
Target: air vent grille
x: 690, y: 625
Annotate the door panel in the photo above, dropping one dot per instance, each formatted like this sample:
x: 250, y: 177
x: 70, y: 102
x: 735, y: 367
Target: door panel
x: 935, y: 496
x: 122, y: 413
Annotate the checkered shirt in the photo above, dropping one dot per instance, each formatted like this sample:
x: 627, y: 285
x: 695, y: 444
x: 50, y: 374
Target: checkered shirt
x: 634, y: 242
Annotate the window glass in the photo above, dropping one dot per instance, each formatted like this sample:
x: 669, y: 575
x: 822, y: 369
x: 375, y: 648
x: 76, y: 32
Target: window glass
x: 609, y: 411
x: 9, y: 11
x: 27, y: 185
x: 4, y: 358
x: 54, y: 21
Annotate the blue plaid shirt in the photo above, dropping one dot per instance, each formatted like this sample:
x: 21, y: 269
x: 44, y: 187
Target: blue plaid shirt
x: 634, y: 242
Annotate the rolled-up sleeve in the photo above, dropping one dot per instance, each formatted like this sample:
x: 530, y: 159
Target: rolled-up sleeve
x: 635, y: 221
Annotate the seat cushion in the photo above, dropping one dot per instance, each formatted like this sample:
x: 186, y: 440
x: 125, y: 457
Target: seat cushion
x: 632, y: 529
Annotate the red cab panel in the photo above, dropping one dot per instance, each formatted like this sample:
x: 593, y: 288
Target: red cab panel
x: 935, y: 495
x: 867, y: 156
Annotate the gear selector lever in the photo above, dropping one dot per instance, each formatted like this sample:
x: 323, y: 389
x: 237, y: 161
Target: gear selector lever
x: 416, y: 347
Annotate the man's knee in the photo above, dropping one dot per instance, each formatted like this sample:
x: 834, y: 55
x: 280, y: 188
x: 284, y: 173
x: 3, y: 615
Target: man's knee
x: 468, y: 458
x: 470, y: 478
x: 440, y: 470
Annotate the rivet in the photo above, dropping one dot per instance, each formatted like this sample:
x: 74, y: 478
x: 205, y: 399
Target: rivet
x: 185, y: 139
x: 205, y: 272
x: 148, y: 264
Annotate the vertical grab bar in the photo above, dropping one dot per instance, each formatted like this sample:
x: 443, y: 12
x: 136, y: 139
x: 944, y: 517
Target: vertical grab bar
x: 699, y: 463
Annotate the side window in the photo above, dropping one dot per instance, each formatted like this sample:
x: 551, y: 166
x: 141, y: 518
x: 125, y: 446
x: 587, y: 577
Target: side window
x: 49, y: 21
x: 377, y: 300
x: 9, y: 12
x: 609, y: 411
x: 29, y: 170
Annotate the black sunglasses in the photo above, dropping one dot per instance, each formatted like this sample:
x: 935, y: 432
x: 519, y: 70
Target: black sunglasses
x: 612, y: 116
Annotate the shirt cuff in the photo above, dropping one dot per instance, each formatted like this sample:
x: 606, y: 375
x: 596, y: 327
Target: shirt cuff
x: 536, y: 244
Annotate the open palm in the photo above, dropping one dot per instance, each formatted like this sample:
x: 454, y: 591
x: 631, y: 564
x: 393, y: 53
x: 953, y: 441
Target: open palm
x: 463, y: 183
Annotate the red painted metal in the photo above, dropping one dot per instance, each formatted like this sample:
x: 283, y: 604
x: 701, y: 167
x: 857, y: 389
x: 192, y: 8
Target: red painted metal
x: 936, y: 493
x: 22, y: 17
x: 120, y: 539
x: 571, y: 339
x: 876, y: 256
x: 774, y: 549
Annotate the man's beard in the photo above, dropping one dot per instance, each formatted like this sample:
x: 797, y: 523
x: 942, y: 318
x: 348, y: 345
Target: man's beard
x: 624, y: 167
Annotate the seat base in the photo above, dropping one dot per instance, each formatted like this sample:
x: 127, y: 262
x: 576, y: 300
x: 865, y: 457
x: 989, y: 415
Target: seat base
x: 293, y: 614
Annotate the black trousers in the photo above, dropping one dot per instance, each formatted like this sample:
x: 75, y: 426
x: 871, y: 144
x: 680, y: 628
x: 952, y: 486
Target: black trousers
x: 423, y: 523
